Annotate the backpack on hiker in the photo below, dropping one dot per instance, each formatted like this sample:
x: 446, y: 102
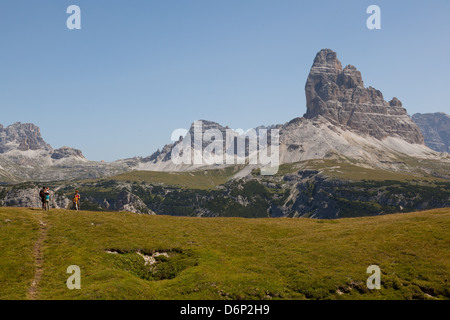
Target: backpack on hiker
x: 42, y: 196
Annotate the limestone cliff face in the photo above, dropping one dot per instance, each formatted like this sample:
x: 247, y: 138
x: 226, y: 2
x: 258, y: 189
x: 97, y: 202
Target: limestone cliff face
x: 338, y: 94
x: 436, y: 130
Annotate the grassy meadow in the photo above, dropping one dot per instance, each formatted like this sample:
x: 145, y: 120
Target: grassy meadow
x: 201, y: 179
x: 224, y: 258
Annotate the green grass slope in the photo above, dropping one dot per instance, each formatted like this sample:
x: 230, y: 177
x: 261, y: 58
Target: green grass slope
x: 225, y: 258
x: 203, y: 179
x: 348, y: 170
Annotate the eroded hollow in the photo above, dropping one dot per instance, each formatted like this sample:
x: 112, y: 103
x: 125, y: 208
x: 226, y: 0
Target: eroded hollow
x: 153, y: 265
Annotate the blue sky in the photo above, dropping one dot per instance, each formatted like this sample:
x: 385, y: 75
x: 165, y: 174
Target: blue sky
x: 139, y: 69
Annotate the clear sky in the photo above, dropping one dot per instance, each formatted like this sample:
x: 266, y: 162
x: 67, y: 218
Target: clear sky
x: 139, y: 69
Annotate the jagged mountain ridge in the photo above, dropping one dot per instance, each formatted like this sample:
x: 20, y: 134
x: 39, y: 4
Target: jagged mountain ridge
x: 343, y: 120
x: 24, y: 155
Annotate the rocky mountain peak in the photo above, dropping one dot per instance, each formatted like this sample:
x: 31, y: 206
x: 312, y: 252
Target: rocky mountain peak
x: 165, y: 154
x: 22, y: 137
x: 327, y: 58
x: 339, y: 96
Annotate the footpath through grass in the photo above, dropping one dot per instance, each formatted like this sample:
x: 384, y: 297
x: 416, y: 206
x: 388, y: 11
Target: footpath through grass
x: 225, y: 258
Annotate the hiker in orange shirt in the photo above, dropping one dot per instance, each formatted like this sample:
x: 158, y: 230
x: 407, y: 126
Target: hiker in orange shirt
x: 76, y: 200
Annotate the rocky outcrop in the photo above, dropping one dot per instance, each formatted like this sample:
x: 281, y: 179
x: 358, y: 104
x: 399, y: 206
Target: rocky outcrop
x: 319, y: 197
x: 338, y: 94
x: 436, y: 130
x: 20, y: 197
x: 28, y: 197
x: 131, y: 203
x: 66, y: 152
x: 22, y: 137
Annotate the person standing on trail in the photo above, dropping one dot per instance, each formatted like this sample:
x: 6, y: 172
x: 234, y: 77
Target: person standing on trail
x: 42, y: 196
x: 47, y: 199
x: 76, y: 200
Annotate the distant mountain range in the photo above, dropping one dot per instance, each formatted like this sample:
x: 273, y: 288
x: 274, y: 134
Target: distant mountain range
x: 352, y: 154
x: 343, y: 120
x: 436, y: 130
x: 24, y: 155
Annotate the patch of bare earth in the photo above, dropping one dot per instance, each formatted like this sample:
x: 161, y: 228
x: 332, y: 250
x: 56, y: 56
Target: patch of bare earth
x: 38, y: 261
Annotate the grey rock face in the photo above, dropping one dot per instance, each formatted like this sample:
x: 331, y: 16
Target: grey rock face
x: 131, y: 203
x: 339, y: 96
x: 28, y: 197
x: 23, y: 137
x: 436, y: 130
